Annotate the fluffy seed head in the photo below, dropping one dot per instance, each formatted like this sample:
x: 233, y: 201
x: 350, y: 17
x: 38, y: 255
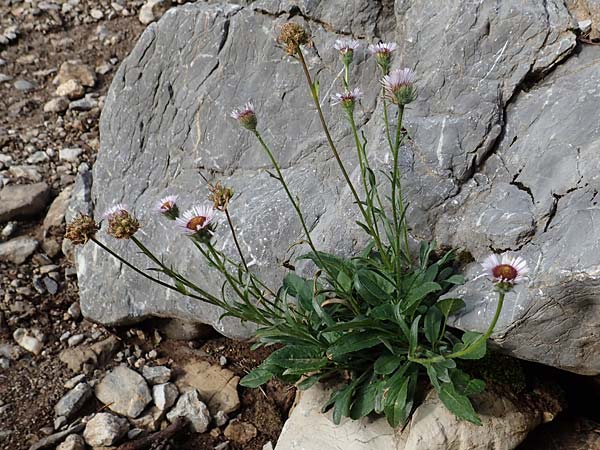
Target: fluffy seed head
x: 167, y: 206
x: 505, y: 272
x: 121, y: 223
x: 292, y: 36
x: 81, y: 229
x: 246, y: 116
x: 399, y: 86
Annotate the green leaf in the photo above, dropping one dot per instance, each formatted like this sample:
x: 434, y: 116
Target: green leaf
x: 465, y: 384
x: 308, y: 382
x: 298, y: 359
x: 419, y: 292
x: 449, y: 306
x: 386, y: 364
x: 395, y: 404
x: 458, y: 404
x: 329, y: 263
x: 414, y: 336
x: 433, y: 324
x: 373, y: 287
x: 364, y: 400
x: 468, y: 338
x: 257, y: 377
x: 455, y: 279
x: 344, y: 282
x: 353, y: 342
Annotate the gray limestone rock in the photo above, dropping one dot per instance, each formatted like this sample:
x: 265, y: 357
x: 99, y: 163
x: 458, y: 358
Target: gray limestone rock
x: 73, y: 400
x: 17, y: 250
x: 193, y: 409
x: 124, y: 391
x: 23, y: 200
x: 105, y: 429
x: 502, y: 153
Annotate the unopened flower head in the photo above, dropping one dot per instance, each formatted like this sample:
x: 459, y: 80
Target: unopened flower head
x: 167, y: 206
x: 197, y: 221
x: 347, y: 99
x: 81, y: 229
x: 383, y: 54
x: 346, y: 47
x: 121, y: 223
x: 220, y: 196
x: 292, y: 36
x: 246, y: 116
x: 505, y: 272
x: 399, y: 86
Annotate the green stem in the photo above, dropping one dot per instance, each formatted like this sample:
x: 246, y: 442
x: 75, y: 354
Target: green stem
x: 474, y: 345
x: 144, y: 274
x: 235, y: 239
x: 338, y: 159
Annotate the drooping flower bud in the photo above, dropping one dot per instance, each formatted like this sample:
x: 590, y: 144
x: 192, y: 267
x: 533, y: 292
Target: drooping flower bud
x: 383, y: 54
x: 293, y: 35
x: 346, y: 47
x: 167, y: 206
x: 246, y: 116
x: 347, y: 99
x: 81, y: 229
x: 399, y: 86
x: 220, y: 196
x: 121, y: 223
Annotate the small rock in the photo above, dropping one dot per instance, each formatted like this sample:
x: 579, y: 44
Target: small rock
x: 17, y: 250
x: 57, y: 105
x: 10, y: 351
x: 585, y: 25
x: 222, y: 361
x: 222, y: 446
x: 98, y: 354
x: 56, y: 438
x: 103, y: 69
x: 150, y: 419
x: 156, y: 374
x: 70, y: 89
x: 20, y: 201
x: 153, y: 10
x: 125, y: 391
x: 96, y: 14
x: 73, y: 401
x: 51, y: 285
x: 27, y: 341
x: 60, y: 422
x: 8, y: 230
x: 240, y: 432
x: 84, y: 104
x: 24, y: 85
x: 76, y: 70
x: 70, y: 155
x: 74, y: 310
x: 28, y: 172
x: 73, y: 442
x: 4, y: 363
x: 38, y: 157
x: 220, y: 418
x: 191, y: 407
x: 76, y: 340
x: 4, y: 78
x: 72, y: 382
x: 134, y: 433
x: 105, y: 429
x: 164, y: 395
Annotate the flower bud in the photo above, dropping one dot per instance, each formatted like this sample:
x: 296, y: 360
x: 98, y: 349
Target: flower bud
x: 246, y: 116
x: 346, y: 47
x: 383, y: 54
x: 347, y: 99
x: 81, y: 229
x: 399, y: 86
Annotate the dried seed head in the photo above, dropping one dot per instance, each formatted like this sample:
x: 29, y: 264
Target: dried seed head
x: 293, y: 35
x: 121, y: 223
x: 81, y: 229
x: 220, y: 196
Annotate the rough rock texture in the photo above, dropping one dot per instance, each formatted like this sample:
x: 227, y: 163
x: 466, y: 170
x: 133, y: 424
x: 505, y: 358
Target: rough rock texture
x: 73, y: 400
x: 124, y: 391
x: 23, y: 200
x: 505, y: 423
x: 105, y: 429
x: 193, y: 409
x: 503, y: 152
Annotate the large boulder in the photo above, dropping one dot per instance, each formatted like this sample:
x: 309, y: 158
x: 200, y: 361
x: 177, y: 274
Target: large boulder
x: 501, y: 157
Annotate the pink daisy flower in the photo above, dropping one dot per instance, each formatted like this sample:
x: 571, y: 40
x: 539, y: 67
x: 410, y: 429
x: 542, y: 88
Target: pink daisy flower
x: 196, y: 220
x: 507, y: 270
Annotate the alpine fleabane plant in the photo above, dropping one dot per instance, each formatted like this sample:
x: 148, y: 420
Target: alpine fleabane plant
x: 374, y: 322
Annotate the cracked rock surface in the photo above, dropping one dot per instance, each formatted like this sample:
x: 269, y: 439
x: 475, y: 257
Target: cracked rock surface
x: 503, y: 153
